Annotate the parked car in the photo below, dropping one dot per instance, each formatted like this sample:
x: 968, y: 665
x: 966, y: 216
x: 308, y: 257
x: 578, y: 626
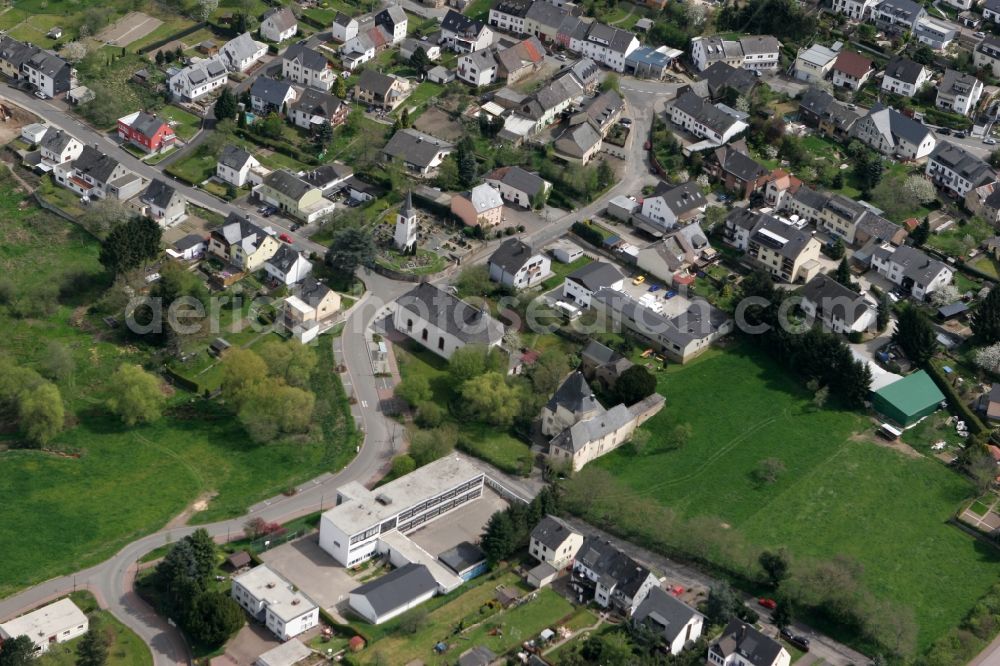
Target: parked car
x: 670, y: 294
x: 787, y: 633
x: 286, y: 238
x: 979, y: 35
x: 799, y: 641
x: 40, y: 95
x: 990, y: 141
x: 654, y: 287
x: 295, y: 227
x: 769, y: 604
x: 625, y: 121
x: 639, y: 280
x: 961, y: 135
x: 945, y: 131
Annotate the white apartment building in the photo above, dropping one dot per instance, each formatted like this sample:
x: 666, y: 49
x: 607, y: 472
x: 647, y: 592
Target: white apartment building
x: 911, y: 269
x: 307, y: 67
x: 604, y: 44
x: 268, y: 597
x: 198, y: 79
x: 753, y: 52
x: 858, y: 10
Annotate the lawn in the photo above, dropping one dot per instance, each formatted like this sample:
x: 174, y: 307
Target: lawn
x: 478, y: 9
x: 561, y: 270
x: 838, y: 495
x: 987, y: 265
x: 184, y: 124
x: 424, y: 263
x: 194, y: 168
x: 124, y: 649
x: 196, y: 448
x: 959, y: 238
x: 417, y: 101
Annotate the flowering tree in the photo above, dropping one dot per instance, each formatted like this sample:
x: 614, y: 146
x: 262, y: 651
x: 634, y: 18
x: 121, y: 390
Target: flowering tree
x: 988, y: 358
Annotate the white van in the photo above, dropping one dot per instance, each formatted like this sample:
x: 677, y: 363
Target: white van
x: 568, y: 310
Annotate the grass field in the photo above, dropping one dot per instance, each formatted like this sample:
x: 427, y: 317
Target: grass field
x: 184, y: 124
x: 126, y: 482
x: 838, y: 495
x: 125, y: 648
x: 561, y: 270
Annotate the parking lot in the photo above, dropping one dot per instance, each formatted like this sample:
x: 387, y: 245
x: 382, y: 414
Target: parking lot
x: 314, y: 571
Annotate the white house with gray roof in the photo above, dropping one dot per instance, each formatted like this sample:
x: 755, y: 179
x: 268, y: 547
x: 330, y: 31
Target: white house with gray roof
x: 956, y: 170
x: 271, y: 599
x: 603, y: 44
x: 518, y: 186
x: 514, y: 264
x: 859, y: 10
x: 344, y: 28
x: 279, y: 24
x: 582, y: 283
x: 897, y: 15
x: 904, y: 77
x: 705, y: 120
x: 198, y: 79
x: 421, y: 153
x: 572, y: 402
x: 911, y: 269
x: 236, y: 166
x: 443, y: 323
x: 813, y: 64
x: 620, y: 582
x: 672, y: 620
x: 395, y: 593
x: 242, y: 52
x: 743, y: 645
x: 839, y: 308
x: 991, y: 11
x: 288, y: 265
x: 267, y: 95
x: 958, y: 92
x: 670, y: 205
x: 303, y: 65
x: 49, y: 625
x: 893, y: 134
x: 164, y: 204
x: 554, y: 542
x: 394, y: 20
x: 754, y: 52
x: 58, y: 146
x: 463, y: 34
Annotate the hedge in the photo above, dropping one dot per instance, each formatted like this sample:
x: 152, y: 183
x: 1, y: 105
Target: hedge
x: 278, y: 146
x: 588, y: 233
x: 964, y: 411
x: 166, y: 40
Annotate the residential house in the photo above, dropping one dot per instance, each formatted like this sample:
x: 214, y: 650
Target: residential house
x: 164, y: 204
x: 851, y: 70
x: 293, y: 195
x: 310, y: 310
x: 572, y: 402
x: 188, y: 248
x: 518, y: 186
x: 839, y: 308
x: 580, y: 285
x: 602, y: 112
x: 813, y: 64
x: 911, y: 269
x: 550, y: 23
x: 936, y: 33
x: 242, y: 243
x: 13, y: 56
x: 724, y: 79
x: 554, y: 542
x: 991, y: 11
x: 442, y: 323
x: 743, y: 645
x: 963, y: 5
x: 197, y: 79
x: 357, y: 51
x: 780, y: 184
x: 604, y: 44
x: 49, y: 73
x: 807, y: 203
x: 670, y: 619
x: 705, y: 121
x: 463, y: 34
x: 384, y: 91
x: 55, y: 623
x: 411, y: 45
x: 421, y: 153
x: 970, y: 19
x: 603, y: 365
x: 904, y: 77
x: 893, y: 134
x: 508, y: 15
x: 897, y: 15
x: 393, y: 20
x: 844, y: 217
x: 482, y: 207
x: 678, y: 250
x: 440, y: 74
x: 315, y: 108
x: 958, y: 92
x: 789, y: 254
x: 235, y: 166
x: 821, y: 110
x: 32, y: 134
x: 984, y: 201
x: 288, y: 265
x: 514, y: 264
x: 873, y: 229
x: 579, y: 144
x: 520, y: 60
x: 242, y: 52
x: 278, y: 24
x: 271, y: 599
x: 620, y: 582
x: 97, y: 176
x: 267, y: 95
x: 344, y: 28
x: 585, y: 72
x: 646, y: 62
x: 679, y: 338
x: 545, y: 105
x: 859, y: 10
x: 303, y: 65
x: 957, y: 170
x: 670, y: 205
x: 478, y: 68
x: 147, y: 131
x: 396, y: 592
x: 754, y: 52
x: 987, y: 54
x: 737, y: 171
x: 58, y: 146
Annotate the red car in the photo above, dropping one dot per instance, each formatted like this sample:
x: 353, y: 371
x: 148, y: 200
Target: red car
x: 286, y: 238
x: 769, y: 604
x: 647, y: 146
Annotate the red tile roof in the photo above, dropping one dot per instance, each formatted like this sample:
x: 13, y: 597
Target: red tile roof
x: 853, y: 64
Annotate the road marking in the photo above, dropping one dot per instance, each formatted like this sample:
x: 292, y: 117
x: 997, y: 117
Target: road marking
x: 364, y: 403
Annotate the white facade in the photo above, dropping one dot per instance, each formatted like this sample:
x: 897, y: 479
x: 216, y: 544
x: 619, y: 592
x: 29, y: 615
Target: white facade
x: 694, y: 125
x: 854, y: 9
x: 922, y: 282
x: 69, y: 151
x: 579, y: 294
x: 293, y: 274
x: 899, y: 87
x: 960, y: 100
x: 534, y: 271
x: 344, y: 32
x: 273, y: 28
x: 243, y: 52
x: 316, y: 78
x: 602, y: 52
x: 507, y: 22
x: 604, y: 594
x: 477, y: 70
x: 208, y: 80
x: 58, y: 622
x: 362, y: 607
x: 268, y: 597
x: 237, y: 177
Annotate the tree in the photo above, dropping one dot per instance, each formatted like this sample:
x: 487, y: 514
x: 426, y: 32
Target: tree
x: 548, y: 371
x: 41, y: 413
x: 92, y: 649
x: 473, y: 360
x: 102, y: 215
x: 781, y: 616
x: 429, y: 445
x: 918, y: 189
x: 677, y: 437
x: 915, y: 335
x: 420, y: 61
x: 995, y: 158
x: 74, y: 51
x: 988, y: 358
x: 414, y: 390
x: 474, y: 281
x: 842, y: 274
x: 135, y: 395
x: 159, y: 58
x: 340, y: 87
x: 324, y: 135
x: 213, y: 618
x: 721, y: 604
x: 490, y: 399
x: 271, y: 408
x: 19, y: 651
x: 605, y: 175
x: 350, y: 248
x: 130, y: 244
x: 402, y: 465
x: 837, y: 250
x: 468, y: 168
x: 290, y: 361
x: 179, y: 53
x: 634, y: 385
x: 206, y: 8
x: 944, y: 295
x: 242, y: 369
x: 768, y: 470
x: 271, y: 127
x: 921, y: 233
x: 714, y: 216
x: 775, y: 565
x: 58, y: 364
x: 610, y: 82
x: 986, y: 319
x: 498, y: 540
x: 884, y: 313
x: 226, y: 105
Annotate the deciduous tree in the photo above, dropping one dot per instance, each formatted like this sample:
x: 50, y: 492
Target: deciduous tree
x: 635, y: 384
x: 242, y: 369
x: 17, y: 651
x: 415, y: 389
x: 775, y: 566
x: 491, y: 399
x: 58, y: 364
x: 135, y: 395
x: 41, y: 413
x: 271, y: 408
x: 290, y: 361
x: 350, y: 249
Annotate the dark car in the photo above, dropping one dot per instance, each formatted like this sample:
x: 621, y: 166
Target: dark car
x: 961, y: 135
x: 787, y: 633
x: 945, y: 131
x: 799, y: 641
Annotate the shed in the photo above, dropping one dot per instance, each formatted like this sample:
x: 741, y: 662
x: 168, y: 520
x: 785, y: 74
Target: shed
x: 239, y: 560
x: 952, y: 311
x: 908, y: 400
x: 218, y: 347
x: 621, y: 208
x: 466, y: 559
x: 542, y: 575
x: 286, y: 654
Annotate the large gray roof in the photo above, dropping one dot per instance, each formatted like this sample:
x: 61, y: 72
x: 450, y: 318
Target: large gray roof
x: 916, y: 265
x: 704, y: 112
x: 287, y: 183
x: 318, y: 103
x: 581, y: 433
x: 234, y: 157
x: 159, y: 193
x: 96, y: 164
x: 753, y: 646
x: 574, y: 395
x: 461, y: 24
x: 415, y: 146
x: 681, y: 198
x: 519, y: 179
x: 55, y: 139
x: 285, y: 258
x: 446, y: 311
x: 240, y: 48
x: 830, y: 296
x: 613, y: 567
x: 895, y: 124
x: 664, y: 612
x: 512, y: 255
x: 547, y: 14
x: 306, y: 57
x: 964, y: 163
x: 786, y: 240
x: 701, y: 320
x: 397, y: 588
x: 270, y: 91
x: 904, y: 69
x: 281, y: 18
x: 376, y: 82
x: 595, y: 275
x: 552, y: 532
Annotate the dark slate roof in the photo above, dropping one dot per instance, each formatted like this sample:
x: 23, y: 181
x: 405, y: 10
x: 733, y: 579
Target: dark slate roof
x: 682, y: 198
x: 342, y: 19
x: 391, y: 15
x: 47, y: 63
x: 521, y: 180
x: 517, y: 7
x: 904, y: 69
x: 15, y: 52
x: 312, y: 291
x: 512, y: 255
x: 477, y: 656
x: 547, y: 14
x: 613, y: 38
x: 792, y: 242
x: 233, y: 157
x: 461, y: 24
x: 188, y: 242
x: 897, y: 124
x: 281, y: 17
x: 159, y: 193
x: 147, y: 124
x: 397, y: 588
x: 877, y: 226
x: 463, y: 557
x: 830, y: 296
x: 318, y: 103
x: 95, y: 164
x: 599, y: 353
x: 574, y: 395
x: 753, y: 646
x: 306, y: 57
x: 613, y: 567
x: 825, y: 105
x: 704, y: 112
x: 595, y: 275
x: 284, y: 258
x: 287, y: 183
x: 964, y: 163
x: 551, y: 532
x: 916, y: 265
x: 665, y: 613
x: 812, y: 198
x: 55, y: 140
x: 376, y: 82
x: 739, y: 164
x: 326, y: 174
x: 900, y: 7
x: 448, y: 312
x: 415, y: 147
x: 271, y: 91
x: 720, y: 75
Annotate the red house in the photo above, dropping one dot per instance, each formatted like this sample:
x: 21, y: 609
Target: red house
x: 147, y: 131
